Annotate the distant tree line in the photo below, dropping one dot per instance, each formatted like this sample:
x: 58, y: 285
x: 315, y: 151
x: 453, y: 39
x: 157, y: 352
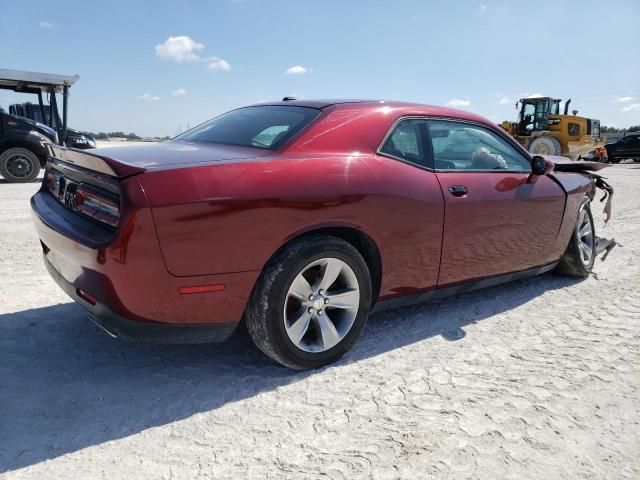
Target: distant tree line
x: 632, y: 128
x: 128, y: 136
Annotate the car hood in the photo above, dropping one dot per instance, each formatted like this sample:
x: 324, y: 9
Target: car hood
x: 42, y: 128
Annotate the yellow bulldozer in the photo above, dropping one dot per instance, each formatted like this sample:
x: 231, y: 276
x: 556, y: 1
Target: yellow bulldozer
x: 543, y: 130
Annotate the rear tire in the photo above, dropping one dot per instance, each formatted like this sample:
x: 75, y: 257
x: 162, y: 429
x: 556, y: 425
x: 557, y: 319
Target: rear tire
x: 545, y: 146
x: 19, y: 165
x: 298, y: 315
x: 580, y: 255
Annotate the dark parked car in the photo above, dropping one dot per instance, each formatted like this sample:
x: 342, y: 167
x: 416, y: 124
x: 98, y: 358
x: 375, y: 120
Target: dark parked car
x: 627, y: 147
x: 300, y: 218
x: 23, y: 147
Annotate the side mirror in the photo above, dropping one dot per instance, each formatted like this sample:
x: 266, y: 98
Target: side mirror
x: 539, y: 165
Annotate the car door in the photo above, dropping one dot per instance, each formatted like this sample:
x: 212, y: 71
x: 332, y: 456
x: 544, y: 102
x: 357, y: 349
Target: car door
x: 412, y: 260
x: 498, y: 219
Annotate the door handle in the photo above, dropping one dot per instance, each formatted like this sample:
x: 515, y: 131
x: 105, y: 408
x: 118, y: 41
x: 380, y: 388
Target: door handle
x: 458, y: 190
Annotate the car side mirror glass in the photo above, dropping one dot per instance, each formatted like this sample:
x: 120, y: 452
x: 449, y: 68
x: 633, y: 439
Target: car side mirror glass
x: 539, y: 165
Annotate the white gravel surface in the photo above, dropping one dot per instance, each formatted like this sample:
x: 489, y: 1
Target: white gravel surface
x: 535, y: 379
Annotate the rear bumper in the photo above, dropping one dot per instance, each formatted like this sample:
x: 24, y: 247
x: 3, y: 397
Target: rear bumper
x: 118, y: 326
x: 135, y: 295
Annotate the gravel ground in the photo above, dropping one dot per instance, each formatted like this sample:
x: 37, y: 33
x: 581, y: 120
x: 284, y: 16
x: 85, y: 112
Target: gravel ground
x: 535, y: 379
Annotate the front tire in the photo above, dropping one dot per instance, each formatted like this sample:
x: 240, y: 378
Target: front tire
x: 19, y: 165
x: 580, y: 255
x: 311, y: 302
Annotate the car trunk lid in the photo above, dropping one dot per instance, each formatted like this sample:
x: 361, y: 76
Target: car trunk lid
x: 128, y: 160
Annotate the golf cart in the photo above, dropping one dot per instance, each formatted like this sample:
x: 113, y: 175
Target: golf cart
x: 23, y: 141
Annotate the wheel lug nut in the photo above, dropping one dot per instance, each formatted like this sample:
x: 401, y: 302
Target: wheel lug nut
x: 311, y: 297
x: 326, y: 300
x: 321, y: 292
x: 310, y: 310
x: 320, y: 312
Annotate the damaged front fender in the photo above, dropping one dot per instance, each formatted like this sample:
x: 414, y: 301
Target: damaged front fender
x: 563, y: 164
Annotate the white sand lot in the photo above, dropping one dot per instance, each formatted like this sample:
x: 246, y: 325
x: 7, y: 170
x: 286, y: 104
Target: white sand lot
x: 536, y: 379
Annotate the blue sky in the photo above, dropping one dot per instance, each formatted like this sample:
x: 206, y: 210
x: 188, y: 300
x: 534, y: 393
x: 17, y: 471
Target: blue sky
x: 154, y: 67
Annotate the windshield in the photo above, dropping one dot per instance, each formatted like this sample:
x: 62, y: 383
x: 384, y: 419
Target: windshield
x: 265, y: 127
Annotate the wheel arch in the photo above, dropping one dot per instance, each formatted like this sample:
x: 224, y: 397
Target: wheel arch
x: 18, y: 143
x: 360, y: 240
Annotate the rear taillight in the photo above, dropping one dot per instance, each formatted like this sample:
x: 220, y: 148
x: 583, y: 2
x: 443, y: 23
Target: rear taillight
x: 53, y: 183
x: 97, y: 206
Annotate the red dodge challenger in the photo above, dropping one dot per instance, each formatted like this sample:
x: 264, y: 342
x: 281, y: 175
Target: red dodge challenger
x: 302, y: 217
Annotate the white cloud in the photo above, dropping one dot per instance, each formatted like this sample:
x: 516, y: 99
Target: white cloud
x: 180, y: 92
x: 45, y: 24
x: 624, y: 99
x: 179, y: 49
x: 630, y: 108
x: 534, y: 95
x: 504, y: 101
x: 184, y: 49
x: 148, y: 98
x: 458, y: 102
x: 218, y: 64
x: 297, y: 70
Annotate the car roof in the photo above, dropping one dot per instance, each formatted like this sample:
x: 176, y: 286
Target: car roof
x: 314, y: 103
x: 399, y: 108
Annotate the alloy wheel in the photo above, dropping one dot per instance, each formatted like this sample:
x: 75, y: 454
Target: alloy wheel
x: 321, y: 305
x: 585, y: 237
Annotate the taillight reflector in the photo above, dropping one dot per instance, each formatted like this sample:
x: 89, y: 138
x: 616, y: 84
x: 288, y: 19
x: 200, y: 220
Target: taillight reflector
x: 201, y: 289
x: 85, y: 296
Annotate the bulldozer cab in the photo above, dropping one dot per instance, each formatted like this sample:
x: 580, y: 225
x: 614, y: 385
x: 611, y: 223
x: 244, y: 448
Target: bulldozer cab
x: 534, y: 114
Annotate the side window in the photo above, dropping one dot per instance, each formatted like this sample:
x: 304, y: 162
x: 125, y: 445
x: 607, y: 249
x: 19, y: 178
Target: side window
x: 462, y: 146
x: 406, y: 142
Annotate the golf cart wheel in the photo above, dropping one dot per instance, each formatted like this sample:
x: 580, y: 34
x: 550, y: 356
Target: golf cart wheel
x: 19, y: 165
x: 545, y: 146
x: 580, y: 254
x: 310, y: 303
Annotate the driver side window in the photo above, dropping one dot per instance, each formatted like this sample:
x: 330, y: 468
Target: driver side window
x: 463, y: 146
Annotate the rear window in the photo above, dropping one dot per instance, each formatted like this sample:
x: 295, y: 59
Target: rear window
x: 265, y: 127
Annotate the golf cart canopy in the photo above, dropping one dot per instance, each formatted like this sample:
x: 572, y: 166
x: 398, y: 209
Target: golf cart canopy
x: 33, y: 82
x: 39, y: 83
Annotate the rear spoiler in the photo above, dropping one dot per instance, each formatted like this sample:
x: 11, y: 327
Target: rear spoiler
x: 92, y: 161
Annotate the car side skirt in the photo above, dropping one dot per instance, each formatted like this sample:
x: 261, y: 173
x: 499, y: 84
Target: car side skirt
x: 437, y: 293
